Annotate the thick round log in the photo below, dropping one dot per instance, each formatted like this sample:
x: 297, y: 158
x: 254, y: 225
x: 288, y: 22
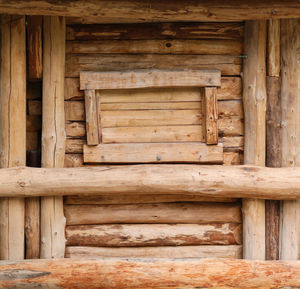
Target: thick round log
x: 217, y: 251
x: 135, y: 235
x: 164, y: 213
x: 149, y: 273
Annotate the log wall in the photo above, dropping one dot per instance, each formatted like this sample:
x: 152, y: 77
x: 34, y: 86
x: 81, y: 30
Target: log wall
x: 149, y: 225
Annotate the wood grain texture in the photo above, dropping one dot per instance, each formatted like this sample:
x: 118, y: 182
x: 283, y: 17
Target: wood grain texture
x: 274, y: 47
x: 140, y: 235
x: 91, y: 112
x: 168, y: 213
x: 13, y: 130
x: 53, y: 133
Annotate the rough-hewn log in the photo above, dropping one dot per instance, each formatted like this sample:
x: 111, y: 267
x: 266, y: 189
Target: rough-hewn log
x: 204, y: 251
x: 53, y: 133
x: 254, y: 97
x: 131, y: 11
x: 140, y: 235
x: 207, y: 181
x: 290, y: 139
x: 13, y: 129
x: 164, y: 213
x: 139, y: 273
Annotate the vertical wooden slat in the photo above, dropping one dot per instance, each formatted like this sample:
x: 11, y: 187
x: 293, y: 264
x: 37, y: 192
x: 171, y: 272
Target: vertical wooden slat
x: 290, y: 142
x: 274, y: 47
x: 53, y: 133
x: 34, y: 47
x: 13, y: 130
x: 98, y: 104
x: 254, y: 98
x: 209, y: 104
x: 91, y: 113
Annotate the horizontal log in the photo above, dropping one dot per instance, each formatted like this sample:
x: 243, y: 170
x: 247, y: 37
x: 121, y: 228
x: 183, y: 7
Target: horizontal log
x: 171, y: 30
x: 154, y: 153
x: 139, y: 199
x: 208, y: 181
x: 134, y: 235
x: 132, y: 12
x: 168, y: 213
x: 150, y: 78
x: 204, y: 251
x: 114, y: 273
x: 231, y: 88
x: 75, y: 63
x: 168, y: 46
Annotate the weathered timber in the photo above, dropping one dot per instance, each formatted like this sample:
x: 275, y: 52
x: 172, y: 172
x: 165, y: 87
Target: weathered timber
x: 203, y: 251
x: 171, y: 30
x: 177, y: 273
x: 254, y: 99
x: 53, y: 134
x: 13, y: 130
x: 132, y: 12
x: 73, y: 160
x: 34, y: 47
x: 168, y: 213
x: 274, y: 47
x: 75, y: 63
x: 232, y: 158
x: 91, y: 112
x: 290, y: 145
x: 149, y: 79
x: 140, y: 235
x: 208, y: 181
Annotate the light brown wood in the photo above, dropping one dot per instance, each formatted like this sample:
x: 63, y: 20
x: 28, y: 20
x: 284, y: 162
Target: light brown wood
x: 290, y: 100
x: 203, y: 251
x: 75, y: 129
x: 210, y: 115
x: 233, y: 143
x: 130, y: 12
x: 274, y: 47
x: 149, y: 79
x: 75, y: 111
x: 75, y: 146
x: 168, y: 46
x: 135, y: 235
x: 168, y: 213
x: 13, y: 130
x: 232, y: 158
x: 75, y: 63
x: 34, y: 47
x: 53, y: 133
x: 208, y: 181
x: 91, y: 112
x: 73, y: 160
x: 254, y: 99
x: 180, y: 273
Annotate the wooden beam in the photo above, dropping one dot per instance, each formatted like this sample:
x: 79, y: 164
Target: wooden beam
x: 138, y: 273
x: 53, y: 134
x: 290, y: 145
x: 13, y: 130
x: 254, y: 97
x: 209, y: 181
x: 149, y: 79
x: 131, y: 11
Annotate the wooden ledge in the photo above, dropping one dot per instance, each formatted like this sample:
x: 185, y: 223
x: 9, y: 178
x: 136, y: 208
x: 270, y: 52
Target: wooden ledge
x: 206, y: 181
x: 138, y: 273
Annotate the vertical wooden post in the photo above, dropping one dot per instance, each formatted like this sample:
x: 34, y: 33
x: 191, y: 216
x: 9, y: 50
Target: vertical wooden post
x: 254, y: 97
x: 290, y: 105
x: 13, y: 130
x: 53, y: 133
x: 273, y: 150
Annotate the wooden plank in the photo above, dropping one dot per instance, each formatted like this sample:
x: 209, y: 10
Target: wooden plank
x: 164, y: 213
x: 213, y: 181
x: 149, y: 79
x: 290, y: 97
x: 75, y: 111
x: 171, y: 30
x: 203, y: 251
x: 274, y: 47
x: 140, y: 235
x: 75, y: 63
x: 153, y: 153
x: 13, y: 130
x: 210, y: 113
x: 34, y: 47
x: 75, y: 146
x: 73, y: 160
x: 254, y: 98
x: 91, y: 113
x: 232, y: 158
x: 235, y: 143
x: 167, y: 46
x: 53, y: 133
x: 75, y: 129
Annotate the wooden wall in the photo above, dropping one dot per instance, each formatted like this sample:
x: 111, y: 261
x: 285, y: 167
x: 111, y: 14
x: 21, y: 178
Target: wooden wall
x: 153, y: 226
